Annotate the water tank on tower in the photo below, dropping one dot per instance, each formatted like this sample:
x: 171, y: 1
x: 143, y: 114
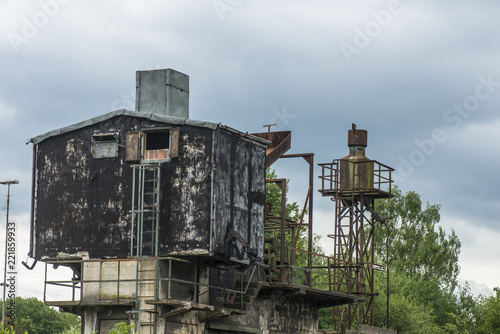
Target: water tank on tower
x: 356, y: 170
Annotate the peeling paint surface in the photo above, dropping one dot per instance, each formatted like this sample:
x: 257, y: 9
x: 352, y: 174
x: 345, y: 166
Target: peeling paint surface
x: 82, y: 203
x: 239, y: 193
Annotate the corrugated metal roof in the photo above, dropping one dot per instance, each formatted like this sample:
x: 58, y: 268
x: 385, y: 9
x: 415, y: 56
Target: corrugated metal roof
x: 150, y: 116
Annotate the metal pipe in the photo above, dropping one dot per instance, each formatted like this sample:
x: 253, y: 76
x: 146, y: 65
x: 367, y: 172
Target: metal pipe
x: 157, y: 209
x: 283, y: 220
x: 118, y: 282
x: 32, y: 249
x: 141, y: 219
x: 8, y: 183
x: 310, y: 160
x: 45, y: 283
x: 196, y: 285
x: 132, y: 213
x: 28, y: 266
x: 387, y: 265
x: 73, y: 287
x: 169, y: 278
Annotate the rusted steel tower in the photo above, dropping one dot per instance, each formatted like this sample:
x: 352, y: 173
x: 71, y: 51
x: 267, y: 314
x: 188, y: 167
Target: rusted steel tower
x: 354, y: 182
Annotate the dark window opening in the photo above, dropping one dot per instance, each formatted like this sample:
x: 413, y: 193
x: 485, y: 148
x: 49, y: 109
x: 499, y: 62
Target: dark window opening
x: 104, y: 138
x: 157, y: 140
x: 105, y: 145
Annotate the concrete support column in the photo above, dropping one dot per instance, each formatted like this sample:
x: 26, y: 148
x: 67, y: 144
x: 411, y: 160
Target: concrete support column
x: 204, y: 278
x: 89, y: 321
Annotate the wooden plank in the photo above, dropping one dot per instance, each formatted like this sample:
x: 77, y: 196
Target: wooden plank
x: 174, y: 143
x: 133, y: 146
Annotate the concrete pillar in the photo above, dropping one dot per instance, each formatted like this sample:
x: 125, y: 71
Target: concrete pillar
x: 89, y: 320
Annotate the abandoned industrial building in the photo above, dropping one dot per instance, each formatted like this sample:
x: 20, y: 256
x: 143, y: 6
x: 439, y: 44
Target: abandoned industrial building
x: 164, y: 223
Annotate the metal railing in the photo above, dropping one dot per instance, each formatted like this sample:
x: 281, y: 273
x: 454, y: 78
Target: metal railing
x: 324, y: 273
x: 380, y: 177
x: 119, y: 289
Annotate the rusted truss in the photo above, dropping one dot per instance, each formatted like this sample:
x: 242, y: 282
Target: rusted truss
x: 354, y: 194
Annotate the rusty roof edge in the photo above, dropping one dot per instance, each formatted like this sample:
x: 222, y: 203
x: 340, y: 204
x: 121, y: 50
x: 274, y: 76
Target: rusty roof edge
x: 245, y: 135
x: 150, y: 116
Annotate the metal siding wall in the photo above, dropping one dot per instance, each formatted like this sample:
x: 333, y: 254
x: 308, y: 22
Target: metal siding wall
x: 82, y: 203
x: 222, y: 193
x: 238, y: 192
x: 185, y: 218
x: 258, y: 199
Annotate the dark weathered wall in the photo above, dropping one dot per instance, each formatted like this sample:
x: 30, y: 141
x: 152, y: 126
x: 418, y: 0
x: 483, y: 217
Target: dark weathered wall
x: 185, y: 203
x: 239, y: 192
x: 279, y: 317
x: 274, y: 316
x: 83, y: 204
x: 364, y: 329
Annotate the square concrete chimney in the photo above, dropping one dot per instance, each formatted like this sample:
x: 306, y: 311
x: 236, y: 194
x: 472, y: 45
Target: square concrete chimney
x: 164, y: 92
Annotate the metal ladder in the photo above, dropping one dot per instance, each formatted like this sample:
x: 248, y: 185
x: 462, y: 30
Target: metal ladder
x: 145, y: 315
x: 145, y: 210
x: 144, y: 239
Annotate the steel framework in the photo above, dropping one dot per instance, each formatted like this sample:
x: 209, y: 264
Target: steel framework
x: 354, y: 233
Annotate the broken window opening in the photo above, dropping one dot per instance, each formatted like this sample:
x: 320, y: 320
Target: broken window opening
x: 152, y: 144
x: 157, y: 140
x: 157, y: 145
x: 104, y: 138
x: 105, y: 145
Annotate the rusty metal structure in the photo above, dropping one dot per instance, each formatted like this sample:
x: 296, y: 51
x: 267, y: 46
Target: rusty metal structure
x: 354, y: 183
x: 163, y: 223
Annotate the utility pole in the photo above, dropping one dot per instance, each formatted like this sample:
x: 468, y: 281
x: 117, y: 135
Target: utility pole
x: 8, y: 183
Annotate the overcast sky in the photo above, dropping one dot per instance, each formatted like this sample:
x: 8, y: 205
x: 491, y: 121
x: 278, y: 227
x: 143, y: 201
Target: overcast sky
x: 422, y: 76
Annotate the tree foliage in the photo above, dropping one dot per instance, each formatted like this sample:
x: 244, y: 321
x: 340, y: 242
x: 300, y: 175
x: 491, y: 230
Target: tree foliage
x: 273, y: 197
x: 419, y: 247
x: 8, y: 330
x: 424, y: 292
x: 416, y: 305
x: 489, y: 318
x: 122, y: 328
x: 34, y: 317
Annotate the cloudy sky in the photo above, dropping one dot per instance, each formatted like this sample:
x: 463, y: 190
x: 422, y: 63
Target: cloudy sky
x: 422, y: 76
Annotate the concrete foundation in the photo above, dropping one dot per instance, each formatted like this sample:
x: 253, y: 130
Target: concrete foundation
x: 363, y: 329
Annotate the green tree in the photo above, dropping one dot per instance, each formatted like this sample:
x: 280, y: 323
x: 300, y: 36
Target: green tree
x: 490, y: 314
x: 8, y: 330
x: 468, y: 314
x: 419, y: 246
x: 34, y: 317
x: 122, y: 328
x: 423, y: 264
x: 416, y: 305
x: 273, y: 197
